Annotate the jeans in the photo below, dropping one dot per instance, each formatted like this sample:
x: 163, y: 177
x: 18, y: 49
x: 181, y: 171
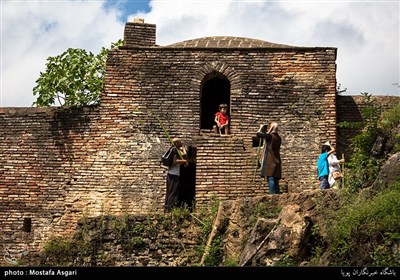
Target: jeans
x: 324, y: 184
x: 273, y: 185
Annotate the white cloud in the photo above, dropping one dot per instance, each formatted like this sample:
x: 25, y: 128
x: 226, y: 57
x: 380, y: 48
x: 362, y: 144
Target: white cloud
x: 365, y: 33
x: 33, y: 31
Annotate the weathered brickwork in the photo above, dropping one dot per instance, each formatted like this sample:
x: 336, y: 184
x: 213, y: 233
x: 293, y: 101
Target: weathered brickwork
x: 139, y: 34
x: 349, y: 110
x: 59, y: 164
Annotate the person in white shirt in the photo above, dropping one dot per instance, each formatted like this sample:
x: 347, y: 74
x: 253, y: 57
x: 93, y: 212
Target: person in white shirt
x: 334, y: 167
x: 173, y: 176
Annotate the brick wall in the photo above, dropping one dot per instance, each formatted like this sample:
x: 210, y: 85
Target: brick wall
x: 294, y: 87
x: 349, y: 109
x: 59, y: 164
x: 142, y: 34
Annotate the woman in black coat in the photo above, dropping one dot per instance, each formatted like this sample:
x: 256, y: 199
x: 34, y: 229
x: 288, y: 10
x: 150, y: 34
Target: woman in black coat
x: 270, y: 157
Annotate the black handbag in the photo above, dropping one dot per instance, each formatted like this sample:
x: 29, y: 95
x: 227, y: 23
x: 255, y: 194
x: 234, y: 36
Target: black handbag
x: 168, y: 156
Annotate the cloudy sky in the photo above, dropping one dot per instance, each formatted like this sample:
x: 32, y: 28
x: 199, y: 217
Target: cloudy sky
x: 366, y: 33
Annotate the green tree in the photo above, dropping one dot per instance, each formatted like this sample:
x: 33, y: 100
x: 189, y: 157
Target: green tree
x: 74, y: 78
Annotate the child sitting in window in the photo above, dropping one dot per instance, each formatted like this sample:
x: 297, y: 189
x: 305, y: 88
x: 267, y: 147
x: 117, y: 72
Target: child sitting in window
x: 222, y: 120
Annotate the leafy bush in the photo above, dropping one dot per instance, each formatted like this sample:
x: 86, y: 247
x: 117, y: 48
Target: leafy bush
x: 389, y: 120
x: 374, y: 223
x: 363, y: 167
x: 73, y: 78
x: 391, y: 117
x: 60, y: 251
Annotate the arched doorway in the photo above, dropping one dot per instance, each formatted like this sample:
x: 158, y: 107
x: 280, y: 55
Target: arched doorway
x: 216, y: 89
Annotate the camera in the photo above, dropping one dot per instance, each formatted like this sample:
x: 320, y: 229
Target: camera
x: 264, y: 128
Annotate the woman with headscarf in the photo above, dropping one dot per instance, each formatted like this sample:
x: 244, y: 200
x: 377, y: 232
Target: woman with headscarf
x: 270, y: 156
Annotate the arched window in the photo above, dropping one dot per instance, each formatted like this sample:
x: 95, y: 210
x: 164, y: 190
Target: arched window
x: 215, y: 89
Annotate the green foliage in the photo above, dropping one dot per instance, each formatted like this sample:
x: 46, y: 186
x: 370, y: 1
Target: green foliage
x: 373, y: 223
x: 81, y: 248
x: 286, y: 260
x: 130, y: 235
x: 178, y: 218
x: 389, y: 120
x: 150, y: 229
x: 316, y: 244
x: 122, y: 228
x: 382, y: 254
x: 207, y: 217
x: 74, y: 78
x: 264, y: 210
x: 369, y: 112
x: 180, y: 213
x: 391, y: 117
x: 60, y: 250
x: 370, y: 220
x: 350, y: 125
x: 363, y: 168
x: 231, y: 261
x: 138, y: 229
x: 216, y: 253
x: 397, y: 145
x: 138, y: 242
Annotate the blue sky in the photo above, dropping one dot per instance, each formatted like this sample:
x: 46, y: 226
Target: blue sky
x: 366, y: 33
x: 128, y: 7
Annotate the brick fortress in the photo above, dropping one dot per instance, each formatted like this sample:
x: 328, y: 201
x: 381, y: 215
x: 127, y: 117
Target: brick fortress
x: 59, y: 164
